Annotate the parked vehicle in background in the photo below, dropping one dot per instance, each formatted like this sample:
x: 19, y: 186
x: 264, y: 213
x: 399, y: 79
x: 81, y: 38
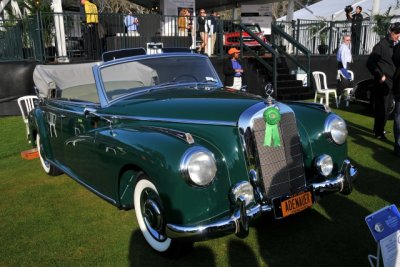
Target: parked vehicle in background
x: 231, y: 36
x: 364, y: 92
x: 160, y: 134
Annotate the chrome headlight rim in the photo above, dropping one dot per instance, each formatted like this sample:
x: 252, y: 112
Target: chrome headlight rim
x: 331, y: 123
x: 185, y: 165
x: 320, y: 164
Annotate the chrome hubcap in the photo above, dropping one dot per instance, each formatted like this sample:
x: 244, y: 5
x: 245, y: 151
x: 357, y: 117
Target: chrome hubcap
x: 152, y: 214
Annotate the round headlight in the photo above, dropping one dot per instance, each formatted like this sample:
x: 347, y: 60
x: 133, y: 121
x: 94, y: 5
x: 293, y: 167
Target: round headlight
x: 324, y: 164
x: 336, y: 129
x: 198, y: 166
x: 245, y: 190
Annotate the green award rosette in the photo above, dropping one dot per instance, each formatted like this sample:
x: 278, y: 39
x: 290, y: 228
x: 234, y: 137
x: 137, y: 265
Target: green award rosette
x: 272, y: 117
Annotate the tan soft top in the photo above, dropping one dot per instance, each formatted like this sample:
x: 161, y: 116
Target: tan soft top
x: 50, y: 77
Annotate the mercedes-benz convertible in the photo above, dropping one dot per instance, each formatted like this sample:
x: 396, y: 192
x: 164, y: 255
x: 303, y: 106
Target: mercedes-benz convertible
x: 161, y: 135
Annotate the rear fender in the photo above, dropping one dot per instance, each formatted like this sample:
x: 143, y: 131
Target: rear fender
x: 37, y: 124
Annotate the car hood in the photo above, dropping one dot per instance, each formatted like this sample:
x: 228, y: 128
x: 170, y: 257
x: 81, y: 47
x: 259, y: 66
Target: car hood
x: 215, y: 106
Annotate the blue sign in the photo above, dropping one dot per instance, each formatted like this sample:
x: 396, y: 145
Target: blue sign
x: 383, y: 222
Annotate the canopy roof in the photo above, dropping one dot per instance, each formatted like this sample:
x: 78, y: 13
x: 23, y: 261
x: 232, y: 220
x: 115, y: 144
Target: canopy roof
x: 334, y: 10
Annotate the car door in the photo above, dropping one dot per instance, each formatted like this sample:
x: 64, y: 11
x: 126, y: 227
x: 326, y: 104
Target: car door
x: 53, y: 114
x: 79, y: 136
x: 90, y: 159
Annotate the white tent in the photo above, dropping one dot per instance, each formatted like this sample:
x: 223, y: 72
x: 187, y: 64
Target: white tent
x: 334, y: 10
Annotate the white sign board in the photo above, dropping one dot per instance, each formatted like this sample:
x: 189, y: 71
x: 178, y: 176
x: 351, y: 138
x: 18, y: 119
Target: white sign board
x: 390, y: 247
x: 260, y: 14
x: 261, y: 9
x: 171, y: 7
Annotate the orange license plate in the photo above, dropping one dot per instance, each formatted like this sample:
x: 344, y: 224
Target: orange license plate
x: 296, y: 204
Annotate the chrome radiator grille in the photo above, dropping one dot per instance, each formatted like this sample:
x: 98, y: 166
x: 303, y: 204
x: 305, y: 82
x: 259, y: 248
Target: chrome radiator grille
x: 282, y: 168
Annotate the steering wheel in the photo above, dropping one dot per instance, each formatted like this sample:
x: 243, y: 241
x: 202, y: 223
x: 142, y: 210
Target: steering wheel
x: 185, y: 78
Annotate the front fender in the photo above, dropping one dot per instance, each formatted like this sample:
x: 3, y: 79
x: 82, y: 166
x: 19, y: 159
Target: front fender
x: 313, y: 138
x: 159, y: 155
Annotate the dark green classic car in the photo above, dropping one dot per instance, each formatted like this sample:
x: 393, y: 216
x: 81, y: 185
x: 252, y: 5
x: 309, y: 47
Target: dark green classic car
x: 160, y: 134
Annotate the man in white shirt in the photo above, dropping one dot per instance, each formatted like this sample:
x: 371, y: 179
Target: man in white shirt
x: 131, y: 22
x: 344, y: 58
x: 344, y: 53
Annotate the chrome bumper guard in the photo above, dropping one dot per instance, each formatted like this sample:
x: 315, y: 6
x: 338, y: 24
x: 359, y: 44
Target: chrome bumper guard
x: 238, y: 222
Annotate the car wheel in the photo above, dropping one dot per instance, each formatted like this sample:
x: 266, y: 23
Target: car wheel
x: 47, y: 166
x: 151, y: 219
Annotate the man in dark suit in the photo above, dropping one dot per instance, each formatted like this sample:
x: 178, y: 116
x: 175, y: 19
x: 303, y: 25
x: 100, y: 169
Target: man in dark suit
x: 380, y: 64
x: 396, y: 95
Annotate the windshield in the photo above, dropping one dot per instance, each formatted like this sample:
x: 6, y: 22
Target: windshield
x: 136, y: 76
x: 253, y: 28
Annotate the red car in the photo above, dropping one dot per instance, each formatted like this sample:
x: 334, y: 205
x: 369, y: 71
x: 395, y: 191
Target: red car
x: 232, y: 36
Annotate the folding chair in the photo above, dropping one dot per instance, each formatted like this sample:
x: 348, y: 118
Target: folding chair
x: 26, y: 104
x: 349, y: 90
x: 322, y: 88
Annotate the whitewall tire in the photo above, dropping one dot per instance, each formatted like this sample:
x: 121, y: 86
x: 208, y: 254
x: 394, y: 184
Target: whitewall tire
x: 149, y: 215
x: 47, y: 166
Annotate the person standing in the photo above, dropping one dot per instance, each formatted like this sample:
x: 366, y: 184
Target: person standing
x: 131, y: 22
x: 343, y: 56
x: 183, y: 22
x: 396, y: 96
x: 213, y: 30
x: 344, y: 59
x: 356, y: 25
x: 233, y: 70
x: 380, y: 64
x: 203, y: 29
x: 91, y: 33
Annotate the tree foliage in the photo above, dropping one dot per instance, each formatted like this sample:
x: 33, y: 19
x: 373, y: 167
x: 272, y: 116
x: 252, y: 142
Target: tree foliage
x: 119, y: 6
x: 383, y: 20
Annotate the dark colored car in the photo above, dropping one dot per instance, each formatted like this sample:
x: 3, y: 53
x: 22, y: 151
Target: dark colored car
x: 160, y: 134
x: 231, y: 36
x: 364, y: 92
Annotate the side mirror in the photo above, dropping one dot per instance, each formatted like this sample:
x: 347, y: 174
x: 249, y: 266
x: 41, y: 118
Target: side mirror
x: 89, y: 111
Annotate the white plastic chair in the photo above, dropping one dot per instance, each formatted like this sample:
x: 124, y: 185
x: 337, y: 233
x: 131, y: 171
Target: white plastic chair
x: 348, y: 91
x: 322, y: 88
x: 26, y: 104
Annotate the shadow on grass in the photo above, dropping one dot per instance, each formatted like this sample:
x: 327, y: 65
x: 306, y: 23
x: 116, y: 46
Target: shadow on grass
x: 240, y: 254
x: 337, y: 236
x: 141, y: 254
x: 372, y: 181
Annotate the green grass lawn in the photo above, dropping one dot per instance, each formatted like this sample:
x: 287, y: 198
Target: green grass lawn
x: 53, y: 221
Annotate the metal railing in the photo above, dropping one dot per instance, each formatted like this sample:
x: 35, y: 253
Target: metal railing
x: 272, y: 69
x: 294, y: 48
x: 324, y: 37
x: 48, y: 36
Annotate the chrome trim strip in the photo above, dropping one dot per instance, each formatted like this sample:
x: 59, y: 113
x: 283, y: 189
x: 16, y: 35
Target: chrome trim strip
x: 229, y: 225
x: 342, y: 183
x: 186, y: 137
x: 232, y: 224
x: 256, y: 111
x: 156, y: 119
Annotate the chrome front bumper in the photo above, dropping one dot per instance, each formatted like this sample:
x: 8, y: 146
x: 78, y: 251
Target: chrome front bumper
x: 238, y: 222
